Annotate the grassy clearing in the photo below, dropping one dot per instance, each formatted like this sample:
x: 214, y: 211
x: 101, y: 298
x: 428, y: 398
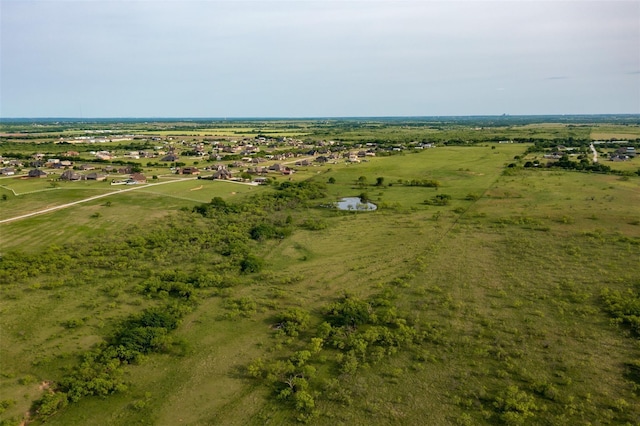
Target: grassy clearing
x: 100, y: 217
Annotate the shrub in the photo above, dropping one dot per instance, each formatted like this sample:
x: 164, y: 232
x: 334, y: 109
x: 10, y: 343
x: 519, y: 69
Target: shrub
x: 251, y: 264
x: 439, y: 200
x: 515, y: 406
x: 293, y: 320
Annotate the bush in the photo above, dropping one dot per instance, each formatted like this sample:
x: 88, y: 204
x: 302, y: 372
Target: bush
x: 251, y: 264
x: 51, y: 403
x: 439, y: 200
x: 515, y: 406
x: 293, y: 320
x: 314, y: 224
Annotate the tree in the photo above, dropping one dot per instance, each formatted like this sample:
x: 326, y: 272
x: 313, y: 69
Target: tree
x: 332, y: 180
x: 362, y: 181
x: 379, y: 181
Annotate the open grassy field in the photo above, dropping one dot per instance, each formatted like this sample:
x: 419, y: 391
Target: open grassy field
x: 504, y: 282
x: 141, y: 205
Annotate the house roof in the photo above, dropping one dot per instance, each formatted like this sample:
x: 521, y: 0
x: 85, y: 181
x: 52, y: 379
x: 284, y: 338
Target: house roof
x: 138, y: 177
x: 37, y: 173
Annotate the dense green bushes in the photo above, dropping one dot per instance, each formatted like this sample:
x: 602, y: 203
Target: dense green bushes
x: 352, y: 333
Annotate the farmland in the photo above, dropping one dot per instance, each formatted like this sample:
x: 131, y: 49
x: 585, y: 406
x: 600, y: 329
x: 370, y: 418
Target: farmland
x: 480, y: 292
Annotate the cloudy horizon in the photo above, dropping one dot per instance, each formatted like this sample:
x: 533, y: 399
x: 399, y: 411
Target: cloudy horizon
x: 318, y: 58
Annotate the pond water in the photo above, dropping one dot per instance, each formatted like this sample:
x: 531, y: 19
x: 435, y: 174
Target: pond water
x: 354, y: 203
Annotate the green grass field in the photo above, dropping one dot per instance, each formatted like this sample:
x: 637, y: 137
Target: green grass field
x: 506, y: 280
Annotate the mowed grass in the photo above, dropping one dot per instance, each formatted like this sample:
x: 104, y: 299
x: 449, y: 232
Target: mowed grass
x: 511, y: 280
x: 202, y: 190
x: 104, y: 215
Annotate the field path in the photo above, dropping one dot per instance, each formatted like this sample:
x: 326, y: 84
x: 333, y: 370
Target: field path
x: 95, y: 197
x: 595, y: 153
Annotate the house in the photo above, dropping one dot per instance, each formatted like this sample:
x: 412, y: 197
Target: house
x: 628, y: 151
x: 87, y: 167
x: 138, y: 178
x: 619, y: 157
x: 261, y: 180
x: 7, y: 171
x: 37, y: 173
x: 303, y: 163
x: 103, y: 155
x: 96, y: 176
x: 554, y: 155
x: 125, y: 170
x: 170, y: 158
x: 353, y: 157
x: 258, y: 170
x: 189, y: 171
x: 70, y: 175
x: 222, y: 173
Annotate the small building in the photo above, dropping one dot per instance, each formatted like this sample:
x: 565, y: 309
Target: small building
x: 138, y: 178
x: 189, y: 171
x: 70, y: 175
x: 37, y: 173
x: 222, y: 173
x: 170, y: 158
x: 96, y: 176
x: 7, y: 171
x: 104, y: 155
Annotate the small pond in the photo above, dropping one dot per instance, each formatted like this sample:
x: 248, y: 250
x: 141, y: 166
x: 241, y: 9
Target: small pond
x: 354, y: 203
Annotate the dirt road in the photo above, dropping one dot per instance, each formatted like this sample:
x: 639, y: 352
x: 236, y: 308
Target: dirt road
x: 95, y: 197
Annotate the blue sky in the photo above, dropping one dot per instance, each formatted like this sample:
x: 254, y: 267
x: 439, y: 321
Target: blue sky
x: 325, y: 58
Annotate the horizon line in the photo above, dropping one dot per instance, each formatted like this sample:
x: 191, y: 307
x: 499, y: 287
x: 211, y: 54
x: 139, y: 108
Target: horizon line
x: 35, y: 118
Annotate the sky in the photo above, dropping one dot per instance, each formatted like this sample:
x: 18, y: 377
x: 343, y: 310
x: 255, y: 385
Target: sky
x: 323, y: 58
